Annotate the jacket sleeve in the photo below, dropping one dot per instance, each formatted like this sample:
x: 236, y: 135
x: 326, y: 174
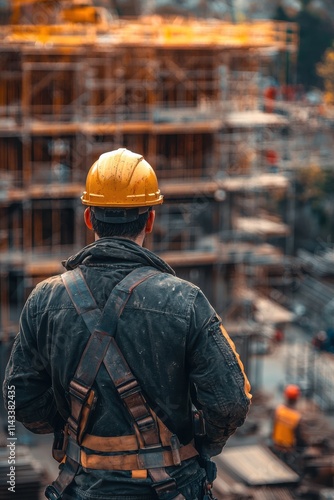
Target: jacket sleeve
x: 26, y: 375
x: 222, y: 387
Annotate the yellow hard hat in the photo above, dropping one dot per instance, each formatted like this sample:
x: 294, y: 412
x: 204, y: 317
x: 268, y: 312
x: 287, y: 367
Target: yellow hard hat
x: 121, y: 179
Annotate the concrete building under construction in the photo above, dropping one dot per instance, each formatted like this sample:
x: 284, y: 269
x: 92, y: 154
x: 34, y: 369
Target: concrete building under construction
x: 188, y: 95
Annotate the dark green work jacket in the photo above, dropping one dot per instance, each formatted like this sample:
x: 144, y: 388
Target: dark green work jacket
x: 172, y: 339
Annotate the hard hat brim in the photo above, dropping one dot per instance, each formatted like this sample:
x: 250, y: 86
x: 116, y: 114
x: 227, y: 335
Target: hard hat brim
x: 118, y: 215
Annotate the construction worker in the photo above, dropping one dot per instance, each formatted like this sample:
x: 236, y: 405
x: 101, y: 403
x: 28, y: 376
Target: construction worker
x: 287, y: 433
x: 113, y: 354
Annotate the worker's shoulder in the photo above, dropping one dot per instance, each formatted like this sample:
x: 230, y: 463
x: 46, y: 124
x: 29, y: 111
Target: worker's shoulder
x: 46, y: 290
x: 166, y: 293
x: 49, y: 283
x: 171, y: 283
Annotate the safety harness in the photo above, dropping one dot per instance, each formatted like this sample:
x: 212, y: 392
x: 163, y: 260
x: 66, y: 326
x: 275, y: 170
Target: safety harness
x: 152, y: 447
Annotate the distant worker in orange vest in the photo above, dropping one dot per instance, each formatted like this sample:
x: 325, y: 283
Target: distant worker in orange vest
x: 287, y: 428
x: 288, y: 435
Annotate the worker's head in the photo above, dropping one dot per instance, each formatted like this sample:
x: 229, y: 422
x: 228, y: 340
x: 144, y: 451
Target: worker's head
x: 121, y: 189
x: 292, y: 392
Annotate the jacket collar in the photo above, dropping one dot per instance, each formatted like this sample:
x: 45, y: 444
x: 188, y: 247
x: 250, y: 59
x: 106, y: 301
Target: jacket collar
x: 120, y: 251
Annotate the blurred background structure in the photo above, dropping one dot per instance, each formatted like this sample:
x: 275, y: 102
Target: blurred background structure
x: 214, y: 95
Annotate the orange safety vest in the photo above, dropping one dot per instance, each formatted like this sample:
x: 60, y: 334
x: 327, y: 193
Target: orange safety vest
x: 285, y: 424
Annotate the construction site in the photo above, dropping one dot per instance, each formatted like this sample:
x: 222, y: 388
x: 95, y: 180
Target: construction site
x: 213, y: 108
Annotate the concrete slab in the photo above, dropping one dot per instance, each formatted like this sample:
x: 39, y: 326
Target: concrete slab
x: 256, y: 465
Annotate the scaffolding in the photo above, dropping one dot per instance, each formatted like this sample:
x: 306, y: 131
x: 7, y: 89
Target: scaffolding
x: 188, y: 95
x: 312, y: 370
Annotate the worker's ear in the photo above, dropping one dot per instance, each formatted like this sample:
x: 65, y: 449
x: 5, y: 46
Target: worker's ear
x: 87, y: 220
x: 150, y: 222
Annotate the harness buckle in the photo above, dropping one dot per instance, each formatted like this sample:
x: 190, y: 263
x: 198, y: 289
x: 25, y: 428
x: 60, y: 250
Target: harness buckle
x: 145, y: 423
x: 78, y: 391
x: 52, y: 494
x: 175, y: 447
x: 166, y: 486
x: 60, y: 443
x: 73, y: 426
x: 128, y: 388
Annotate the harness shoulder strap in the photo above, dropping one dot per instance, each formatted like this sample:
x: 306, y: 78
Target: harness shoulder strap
x: 102, y: 326
x: 102, y: 347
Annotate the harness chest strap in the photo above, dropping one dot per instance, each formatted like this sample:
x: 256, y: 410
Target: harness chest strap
x: 151, y: 435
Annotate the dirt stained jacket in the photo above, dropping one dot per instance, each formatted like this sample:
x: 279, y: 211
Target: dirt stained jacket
x: 172, y: 339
